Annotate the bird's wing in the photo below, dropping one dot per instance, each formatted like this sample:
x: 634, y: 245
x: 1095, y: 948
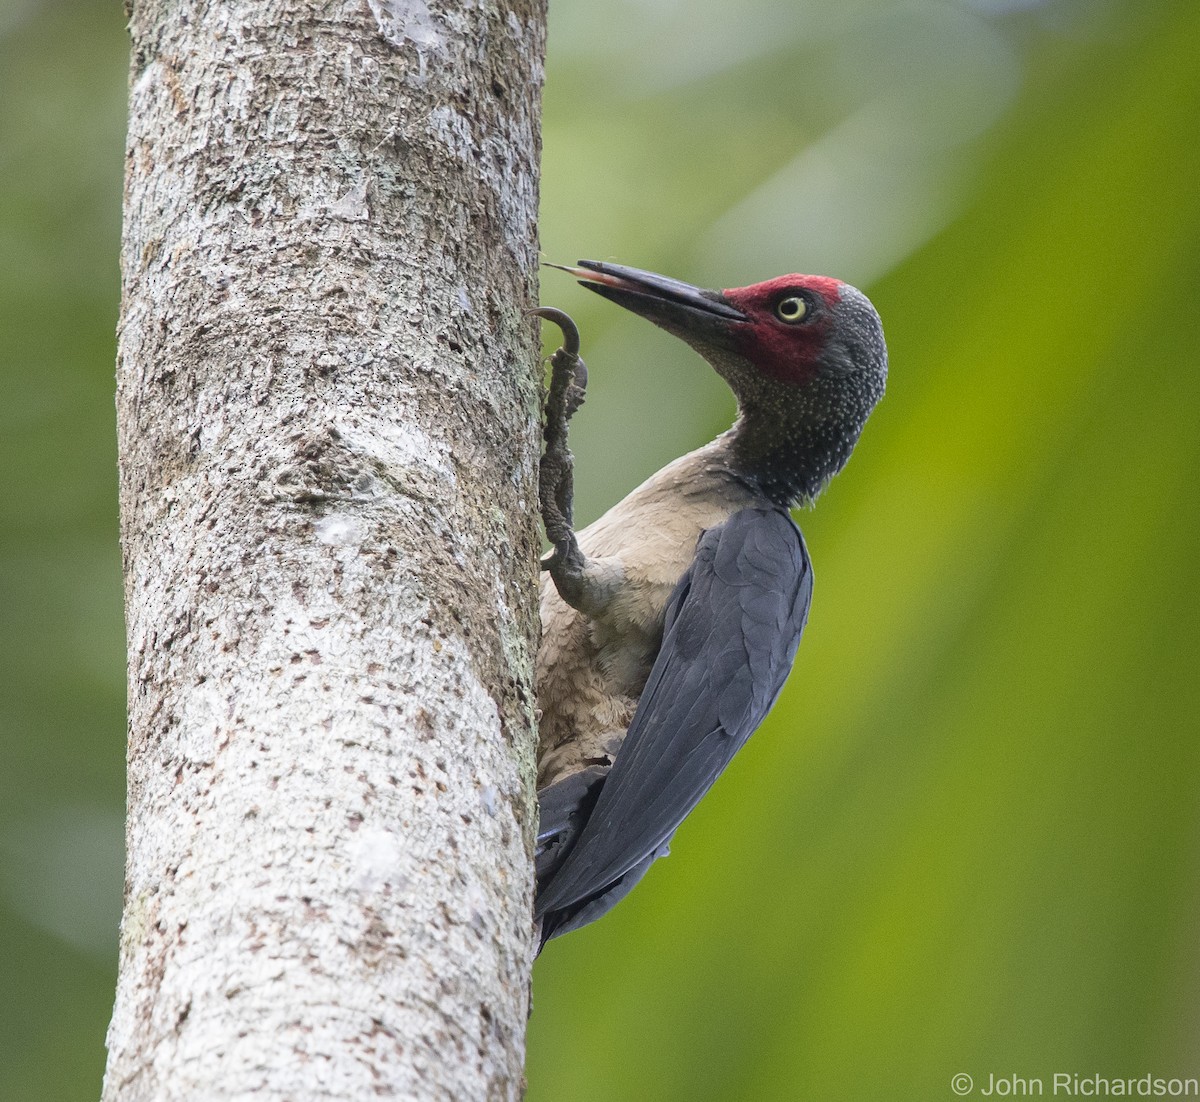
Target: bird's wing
x: 730, y: 634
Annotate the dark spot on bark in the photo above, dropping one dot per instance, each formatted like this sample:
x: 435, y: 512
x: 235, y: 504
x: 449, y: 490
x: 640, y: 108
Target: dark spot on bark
x: 424, y: 724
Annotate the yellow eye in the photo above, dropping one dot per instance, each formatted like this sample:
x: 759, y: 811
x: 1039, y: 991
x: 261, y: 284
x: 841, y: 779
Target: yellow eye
x: 791, y: 310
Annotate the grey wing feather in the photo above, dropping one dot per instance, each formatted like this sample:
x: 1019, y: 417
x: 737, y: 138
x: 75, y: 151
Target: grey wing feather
x: 731, y: 632
x: 563, y: 808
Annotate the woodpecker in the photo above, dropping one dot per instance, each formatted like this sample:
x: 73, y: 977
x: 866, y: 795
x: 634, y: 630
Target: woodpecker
x: 670, y: 624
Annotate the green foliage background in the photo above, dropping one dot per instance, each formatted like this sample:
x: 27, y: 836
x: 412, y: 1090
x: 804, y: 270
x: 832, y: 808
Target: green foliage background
x: 967, y: 840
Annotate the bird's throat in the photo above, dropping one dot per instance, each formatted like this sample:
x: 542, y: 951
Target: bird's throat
x: 789, y: 459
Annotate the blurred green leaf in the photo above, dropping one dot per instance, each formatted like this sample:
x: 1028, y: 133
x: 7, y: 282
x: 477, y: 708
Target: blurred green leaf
x: 966, y: 839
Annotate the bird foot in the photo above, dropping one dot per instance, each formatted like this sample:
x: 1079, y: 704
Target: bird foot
x: 556, y: 483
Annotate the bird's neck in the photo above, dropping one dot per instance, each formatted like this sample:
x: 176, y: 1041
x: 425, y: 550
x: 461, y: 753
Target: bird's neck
x: 787, y: 455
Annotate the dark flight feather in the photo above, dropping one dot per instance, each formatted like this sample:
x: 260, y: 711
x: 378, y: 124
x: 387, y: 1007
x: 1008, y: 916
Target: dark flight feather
x: 731, y: 631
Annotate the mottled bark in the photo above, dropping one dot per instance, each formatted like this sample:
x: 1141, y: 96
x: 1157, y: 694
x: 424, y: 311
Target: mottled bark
x: 327, y: 405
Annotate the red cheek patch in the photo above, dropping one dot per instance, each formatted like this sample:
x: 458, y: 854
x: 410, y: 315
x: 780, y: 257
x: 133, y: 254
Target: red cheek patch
x: 789, y: 353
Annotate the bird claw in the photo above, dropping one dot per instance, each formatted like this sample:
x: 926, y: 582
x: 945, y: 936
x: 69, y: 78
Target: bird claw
x: 569, y: 375
x: 564, y: 321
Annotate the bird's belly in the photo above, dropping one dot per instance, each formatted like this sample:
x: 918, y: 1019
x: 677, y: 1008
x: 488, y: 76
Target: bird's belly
x: 591, y: 672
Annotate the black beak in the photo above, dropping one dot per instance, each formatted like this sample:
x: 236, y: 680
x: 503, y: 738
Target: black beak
x: 689, y: 312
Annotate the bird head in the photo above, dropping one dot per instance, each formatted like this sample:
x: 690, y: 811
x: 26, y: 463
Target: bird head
x: 804, y: 356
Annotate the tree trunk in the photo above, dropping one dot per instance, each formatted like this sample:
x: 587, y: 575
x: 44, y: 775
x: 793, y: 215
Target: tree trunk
x: 327, y: 405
